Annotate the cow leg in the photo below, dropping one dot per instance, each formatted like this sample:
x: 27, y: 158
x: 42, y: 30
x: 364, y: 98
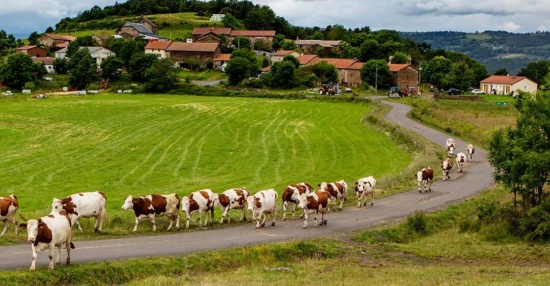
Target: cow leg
x: 51, y: 246
x: 99, y: 220
x: 284, y: 210
x: 14, y: 221
x: 171, y: 218
x: 178, y: 217
x: 263, y: 216
x: 305, y: 219
x: 372, y: 200
x: 187, y: 222
x: 34, y: 256
x: 341, y: 207
x: 315, y: 218
x: 359, y: 195
x: 152, y: 219
x: 224, y: 214
x: 136, y: 224
x: 6, y: 228
x: 200, y: 218
x: 74, y: 220
x: 243, y: 214
x: 68, y: 247
x: 274, y: 214
x: 58, y: 258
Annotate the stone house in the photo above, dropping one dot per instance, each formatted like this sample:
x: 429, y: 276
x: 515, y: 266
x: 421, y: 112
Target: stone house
x: 61, y: 41
x: 206, y: 35
x: 312, y: 46
x: 33, y: 51
x: 404, y: 76
x: 179, y: 51
x: 507, y: 85
x: 133, y: 30
x: 349, y: 70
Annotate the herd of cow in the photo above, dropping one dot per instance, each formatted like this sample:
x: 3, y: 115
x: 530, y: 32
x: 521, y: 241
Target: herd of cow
x: 425, y: 176
x: 55, y: 230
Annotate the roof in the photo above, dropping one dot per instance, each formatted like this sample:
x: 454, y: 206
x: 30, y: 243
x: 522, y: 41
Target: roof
x: 504, y: 79
x: 397, y: 67
x: 306, y: 59
x: 193, y: 47
x: 356, y: 66
x: 158, y: 45
x: 61, y: 37
x: 45, y: 60
x: 148, y: 21
x: 282, y: 53
x: 215, y: 30
x: 253, y: 33
x: 317, y: 42
x: 337, y: 63
x: 140, y: 28
x: 27, y: 47
x: 222, y: 57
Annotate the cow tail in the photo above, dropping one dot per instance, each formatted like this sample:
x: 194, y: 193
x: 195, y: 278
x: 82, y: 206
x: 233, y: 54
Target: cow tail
x: 22, y: 216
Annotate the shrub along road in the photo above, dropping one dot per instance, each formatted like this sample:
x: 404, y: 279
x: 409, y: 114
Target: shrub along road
x: 476, y: 177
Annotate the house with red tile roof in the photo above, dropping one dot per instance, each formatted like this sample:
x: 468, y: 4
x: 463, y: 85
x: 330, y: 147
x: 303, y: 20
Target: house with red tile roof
x: 220, y: 60
x: 507, y: 84
x: 403, y: 75
x: 158, y: 48
x: 306, y: 59
x: 33, y: 51
x: 205, y: 34
x: 179, y: 51
x: 349, y: 70
x: 280, y: 55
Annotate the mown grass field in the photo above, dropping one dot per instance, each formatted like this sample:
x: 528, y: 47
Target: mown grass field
x: 144, y: 144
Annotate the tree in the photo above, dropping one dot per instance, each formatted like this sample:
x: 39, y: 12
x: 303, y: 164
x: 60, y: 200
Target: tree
x: 376, y: 73
x: 536, y: 71
x: 18, y: 70
x: 293, y: 60
x: 370, y: 50
x: 125, y: 49
x: 33, y: 38
x: 400, y: 58
x: 242, y: 43
x: 284, y: 74
x: 437, y: 71
x: 521, y: 155
x: 325, y: 72
x: 278, y: 42
x: 337, y: 32
x: 82, y: 69
x: 501, y: 71
x: 72, y: 48
x: 237, y: 70
x: 230, y: 21
x: 61, y: 65
x: 139, y: 63
x: 161, y: 77
x: 111, y: 68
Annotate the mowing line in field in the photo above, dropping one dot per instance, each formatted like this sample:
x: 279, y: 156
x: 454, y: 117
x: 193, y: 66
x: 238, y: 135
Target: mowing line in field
x: 265, y: 148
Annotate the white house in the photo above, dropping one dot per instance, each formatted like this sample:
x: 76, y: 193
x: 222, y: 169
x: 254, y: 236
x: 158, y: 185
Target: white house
x: 97, y: 53
x: 217, y: 17
x: 506, y: 84
x: 158, y: 48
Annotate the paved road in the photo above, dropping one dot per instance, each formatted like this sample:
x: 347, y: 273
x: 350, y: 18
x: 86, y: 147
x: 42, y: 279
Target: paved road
x: 476, y: 177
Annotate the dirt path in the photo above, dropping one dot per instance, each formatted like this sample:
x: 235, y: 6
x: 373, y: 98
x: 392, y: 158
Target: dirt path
x: 476, y: 177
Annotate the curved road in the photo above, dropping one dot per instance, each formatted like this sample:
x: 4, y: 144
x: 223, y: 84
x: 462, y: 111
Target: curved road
x: 476, y: 177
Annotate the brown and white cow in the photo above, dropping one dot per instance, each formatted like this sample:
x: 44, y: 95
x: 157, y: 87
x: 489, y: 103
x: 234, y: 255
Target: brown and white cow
x: 49, y: 232
x: 199, y: 202
x: 425, y: 177
x: 8, y: 207
x: 316, y: 202
x: 446, y: 167
x: 470, y: 150
x: 263, y: 203
x: 230, y: 200
x: 151, y: 206
x: 86, y: 205
x: 363, y: 188
x: 450, y: 146
x: 460, y: 158
x: 337, y: 191
x: 291, y: 196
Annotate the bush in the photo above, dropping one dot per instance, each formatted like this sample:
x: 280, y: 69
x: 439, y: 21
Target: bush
x: 418, y: 223
x: 535, y: 225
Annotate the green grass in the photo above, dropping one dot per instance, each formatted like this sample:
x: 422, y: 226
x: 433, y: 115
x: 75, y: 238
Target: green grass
x: 203, y: 75
x: 143, y: 144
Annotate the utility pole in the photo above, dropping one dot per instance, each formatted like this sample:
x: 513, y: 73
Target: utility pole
x: 376, y: 79
x: 419, y: 77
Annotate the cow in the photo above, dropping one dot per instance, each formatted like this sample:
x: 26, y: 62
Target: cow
x: 199, y: 201
x: 470, y: 150
x: 425, y: 177
x: 291, y: 196
x: 316, y: 202
x: 337, y: 191
x: 8, y: 207
x: 460, y: 158
x: 49, y: 232
x: 450, y: 146
x: 261, y: 204
x: 363, y: 188
x: 446, y: 167
x: 151, y: 206
x: 86, y: 205
x: 232, y: 199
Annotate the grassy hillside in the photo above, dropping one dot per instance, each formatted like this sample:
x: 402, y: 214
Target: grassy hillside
x: 143, y: 144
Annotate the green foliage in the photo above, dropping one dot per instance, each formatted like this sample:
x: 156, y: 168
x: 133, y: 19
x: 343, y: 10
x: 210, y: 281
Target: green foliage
x: 17, y: 70
x: 61, y: 65
x: 376, y: 73
x: 72, y: 48
x: 139, y: 63
x: 400, y: 58
x: 292, y: 59
x: 161, y: 77
x: 536, y: 71
x: 126, y: 49
x: 111, y: 68
x: 33, y: 38
x: 230, y: 21
x: 278, y: 42
x: 370, y: 50
x: 325, y: 72
x: 82, y: 69
x: 283, y: 74
x: 242, y: 43
x: 243, y: 64
x: 437, y: 71
x: 7, y: 43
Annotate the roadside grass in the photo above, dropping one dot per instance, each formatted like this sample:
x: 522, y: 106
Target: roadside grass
x: 144, y: 144
x: 473, y: 121
x: 202, y: 75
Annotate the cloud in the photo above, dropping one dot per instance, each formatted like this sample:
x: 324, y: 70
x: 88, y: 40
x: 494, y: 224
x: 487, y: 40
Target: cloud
x: 509, y: 26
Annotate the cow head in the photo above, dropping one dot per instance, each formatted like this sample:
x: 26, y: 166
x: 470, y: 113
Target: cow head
x: 128, y: 203
x: 32, y: 229
x: 57, y: 206
x: 303, y: 201
x: 185, y: 204
x: 323, y: 186
x: 419, y: 176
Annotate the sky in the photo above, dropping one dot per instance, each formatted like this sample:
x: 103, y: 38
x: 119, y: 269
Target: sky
x: 518, y: 16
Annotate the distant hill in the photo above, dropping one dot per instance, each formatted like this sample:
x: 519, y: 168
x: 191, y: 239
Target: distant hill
x: 494, y: 49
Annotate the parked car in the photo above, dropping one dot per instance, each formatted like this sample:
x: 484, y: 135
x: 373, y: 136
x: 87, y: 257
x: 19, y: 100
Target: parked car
x: 454, y: 91
x: 477, y: 91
